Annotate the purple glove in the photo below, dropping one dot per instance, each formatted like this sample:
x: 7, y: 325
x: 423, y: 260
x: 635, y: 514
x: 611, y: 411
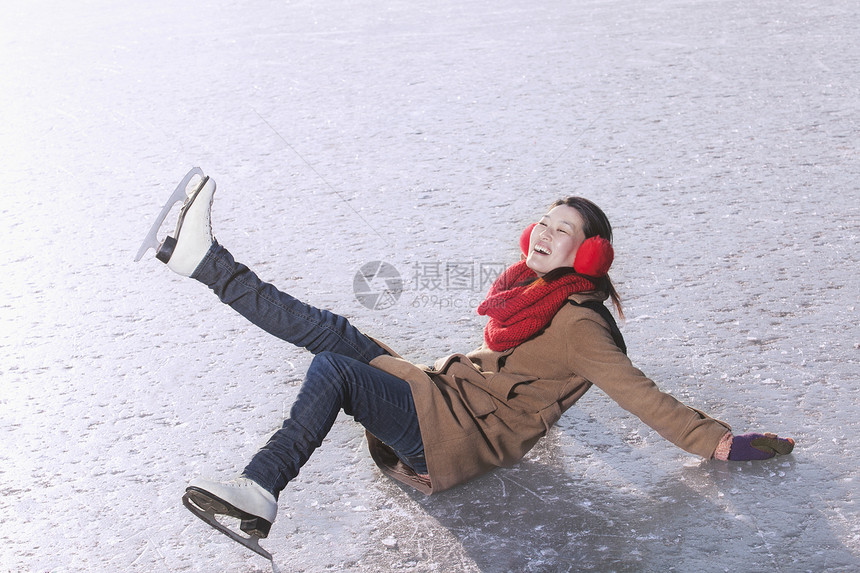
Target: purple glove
x: 759, y: 447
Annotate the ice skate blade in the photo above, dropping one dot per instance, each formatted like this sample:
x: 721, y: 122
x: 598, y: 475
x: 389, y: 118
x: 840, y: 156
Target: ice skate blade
x: 208, y: 515
x: 179, y: 194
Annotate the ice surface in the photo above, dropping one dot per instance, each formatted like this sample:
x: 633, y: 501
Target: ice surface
x: 720, y: 137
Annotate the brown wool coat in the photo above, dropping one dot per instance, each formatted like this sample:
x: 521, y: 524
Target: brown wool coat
x: 488, y: 409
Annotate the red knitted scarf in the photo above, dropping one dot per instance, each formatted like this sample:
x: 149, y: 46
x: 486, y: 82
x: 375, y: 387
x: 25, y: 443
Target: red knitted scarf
x: 518, y: 311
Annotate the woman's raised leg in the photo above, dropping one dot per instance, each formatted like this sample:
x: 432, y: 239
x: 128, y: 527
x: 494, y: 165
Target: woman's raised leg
x: 279, y: 313
x: 193, y: 251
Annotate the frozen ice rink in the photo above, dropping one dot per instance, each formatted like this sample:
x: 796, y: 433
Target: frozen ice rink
x: 721, y: 137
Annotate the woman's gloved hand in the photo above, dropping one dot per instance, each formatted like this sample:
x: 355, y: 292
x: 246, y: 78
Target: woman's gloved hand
x: 759, y: 446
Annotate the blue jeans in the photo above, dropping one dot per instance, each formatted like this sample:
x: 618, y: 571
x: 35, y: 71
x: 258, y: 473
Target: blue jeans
x: 339, y: 377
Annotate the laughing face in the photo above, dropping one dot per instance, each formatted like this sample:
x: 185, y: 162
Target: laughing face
x: 555, y: 240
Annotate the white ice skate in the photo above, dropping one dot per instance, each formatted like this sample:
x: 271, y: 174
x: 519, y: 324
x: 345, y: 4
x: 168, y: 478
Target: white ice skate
x: 193, y: 236
x: 240, y: 498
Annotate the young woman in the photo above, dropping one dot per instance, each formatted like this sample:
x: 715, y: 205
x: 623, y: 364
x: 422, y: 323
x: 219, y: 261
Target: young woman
x: 548, y: 340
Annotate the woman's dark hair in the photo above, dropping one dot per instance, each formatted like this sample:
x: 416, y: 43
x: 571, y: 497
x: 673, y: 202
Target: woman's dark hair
x: 596, y: 223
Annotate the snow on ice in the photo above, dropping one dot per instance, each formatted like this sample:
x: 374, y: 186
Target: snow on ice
x: 720, y: 137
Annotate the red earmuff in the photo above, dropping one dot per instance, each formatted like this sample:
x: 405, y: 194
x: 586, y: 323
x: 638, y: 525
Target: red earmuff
x: 525, y: 239
x: 594, y: 257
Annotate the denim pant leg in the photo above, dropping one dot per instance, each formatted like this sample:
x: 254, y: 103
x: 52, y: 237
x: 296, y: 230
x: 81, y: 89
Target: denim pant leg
x: 381, y: 402
x: 278, y: 313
